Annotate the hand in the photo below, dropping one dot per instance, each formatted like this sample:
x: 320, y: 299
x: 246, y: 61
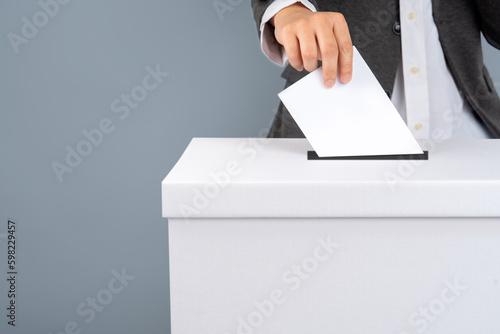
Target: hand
x: 311, y: 36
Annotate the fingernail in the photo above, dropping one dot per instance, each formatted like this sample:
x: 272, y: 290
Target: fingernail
x: 347, y: 77
x: 329, y: 83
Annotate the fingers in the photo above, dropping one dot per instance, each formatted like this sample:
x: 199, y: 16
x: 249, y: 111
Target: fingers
x: 308, y: 50
x: 308, y: 36
x: 329, y: 55
x: 292, y: 50
x: 344, y: 45
x: 302, y: 51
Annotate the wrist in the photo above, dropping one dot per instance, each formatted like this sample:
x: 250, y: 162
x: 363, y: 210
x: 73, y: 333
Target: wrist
x: 294, y: 8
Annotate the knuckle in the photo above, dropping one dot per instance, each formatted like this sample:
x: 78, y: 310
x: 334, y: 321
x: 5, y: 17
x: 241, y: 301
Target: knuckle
x: 330, y: 66
x: 329, y: 73
x: 310, y: 67
x: 302, y: 23
x: 287, y: 30
x: 339, y: 17
x: 329, y: 50
x: 345, y: 47
x: 310, y: 54
x: 293, y: 57
x: 323, y: 17
x: 329, y: 57
x: 345, y: 68
x: 289, y: 44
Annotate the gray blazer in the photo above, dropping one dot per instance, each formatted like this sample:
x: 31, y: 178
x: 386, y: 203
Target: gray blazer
x: 374, y: 28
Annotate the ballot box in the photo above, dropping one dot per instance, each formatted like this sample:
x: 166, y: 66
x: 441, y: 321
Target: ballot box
x: 264, y: 240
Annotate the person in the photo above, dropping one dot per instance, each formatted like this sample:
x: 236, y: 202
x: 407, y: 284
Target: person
x: 426, y: 54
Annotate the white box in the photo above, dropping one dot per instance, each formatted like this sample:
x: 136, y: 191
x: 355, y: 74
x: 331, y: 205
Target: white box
x: 263, y: 240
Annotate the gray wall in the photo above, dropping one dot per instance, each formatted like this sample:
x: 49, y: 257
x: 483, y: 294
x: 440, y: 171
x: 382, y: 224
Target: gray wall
x: 77, y: 233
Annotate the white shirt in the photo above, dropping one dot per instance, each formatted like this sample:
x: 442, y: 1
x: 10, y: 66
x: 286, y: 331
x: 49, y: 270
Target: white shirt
x: 425, y: 93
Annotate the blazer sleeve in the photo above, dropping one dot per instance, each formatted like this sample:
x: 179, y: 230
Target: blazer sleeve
x: 259, y: 7
x: 489, y: 12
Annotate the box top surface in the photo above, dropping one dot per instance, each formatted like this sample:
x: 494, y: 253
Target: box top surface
x: 257, y: 177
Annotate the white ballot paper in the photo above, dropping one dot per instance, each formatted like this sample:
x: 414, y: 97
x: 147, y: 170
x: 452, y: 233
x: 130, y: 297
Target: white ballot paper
x: 354, y: 119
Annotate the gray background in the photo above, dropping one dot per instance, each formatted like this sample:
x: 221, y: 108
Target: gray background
x: 106, y: 213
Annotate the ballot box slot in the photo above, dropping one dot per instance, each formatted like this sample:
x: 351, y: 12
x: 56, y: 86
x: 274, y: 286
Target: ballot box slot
x: 312, y: 155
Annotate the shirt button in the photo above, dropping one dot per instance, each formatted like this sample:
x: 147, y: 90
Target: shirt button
x: 418, y: 126
x: 412, y: 16
x: 414, y: 70
x: 396, y: 28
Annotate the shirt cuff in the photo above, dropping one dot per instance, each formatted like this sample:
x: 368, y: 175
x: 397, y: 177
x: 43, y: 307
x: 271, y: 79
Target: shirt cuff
x: 270, y: 46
